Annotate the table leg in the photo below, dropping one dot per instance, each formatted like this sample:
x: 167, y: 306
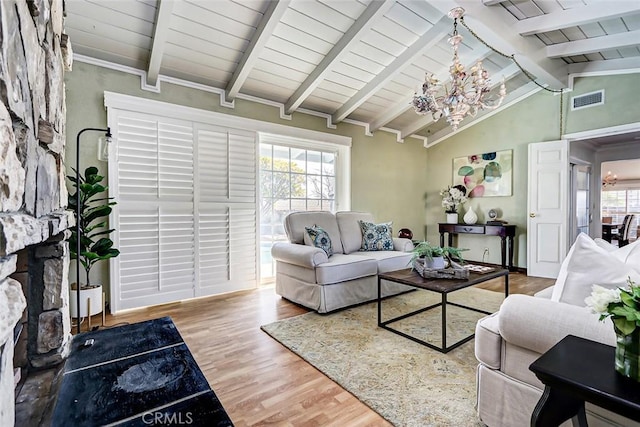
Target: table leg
x: 555, y: 407
x: 450, y: 240
x: 506, y: 285
x: 503, y: 250
x: 444, y: 322
x: 442, y: 239
x: 379, y: 302
x: 510, y: 253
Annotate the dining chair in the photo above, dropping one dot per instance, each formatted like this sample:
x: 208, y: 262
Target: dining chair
x: 622, y: 236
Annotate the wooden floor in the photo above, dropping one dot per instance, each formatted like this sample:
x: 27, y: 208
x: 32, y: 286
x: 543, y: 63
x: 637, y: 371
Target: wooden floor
x: 258, y: 380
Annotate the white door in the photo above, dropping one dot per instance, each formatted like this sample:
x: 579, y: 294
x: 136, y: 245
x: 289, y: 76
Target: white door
x: 547, y: 224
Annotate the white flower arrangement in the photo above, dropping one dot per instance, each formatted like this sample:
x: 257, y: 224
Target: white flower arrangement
x: 619, y: 304
x: 453, y: 197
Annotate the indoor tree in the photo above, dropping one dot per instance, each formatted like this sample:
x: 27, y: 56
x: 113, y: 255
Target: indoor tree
x: 94, y: 210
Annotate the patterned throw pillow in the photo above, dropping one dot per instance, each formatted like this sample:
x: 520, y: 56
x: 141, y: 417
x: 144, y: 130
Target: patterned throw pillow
x: 376, y: 237
x: 320, y: 238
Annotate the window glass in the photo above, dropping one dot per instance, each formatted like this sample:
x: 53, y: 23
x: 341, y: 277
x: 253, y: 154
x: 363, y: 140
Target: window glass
x: 291, y: 179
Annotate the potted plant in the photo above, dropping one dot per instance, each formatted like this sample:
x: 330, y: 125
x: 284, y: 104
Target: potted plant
x: 435, y: 256
x: 94, y: 244
x: 452, y: 198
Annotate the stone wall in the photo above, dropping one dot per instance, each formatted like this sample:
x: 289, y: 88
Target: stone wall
x: 33, y: 195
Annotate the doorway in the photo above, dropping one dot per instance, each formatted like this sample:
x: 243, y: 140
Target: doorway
x: 580, y: 210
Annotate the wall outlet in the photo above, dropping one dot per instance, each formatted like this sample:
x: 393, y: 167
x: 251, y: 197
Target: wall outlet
x: 485, y: 254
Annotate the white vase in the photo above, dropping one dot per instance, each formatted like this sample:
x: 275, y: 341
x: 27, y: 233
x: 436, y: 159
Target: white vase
x: 452, y: 218
x: 470, y: 217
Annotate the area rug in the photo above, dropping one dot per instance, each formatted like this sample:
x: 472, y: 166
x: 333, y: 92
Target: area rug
x: 406, y: 383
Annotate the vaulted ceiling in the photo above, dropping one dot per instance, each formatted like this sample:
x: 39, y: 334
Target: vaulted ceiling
x: 357, y: 60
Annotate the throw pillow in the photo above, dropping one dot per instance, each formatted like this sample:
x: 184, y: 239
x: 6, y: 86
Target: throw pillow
x: 320, y: 238
x: 588, y: 264
x: 376, y: 237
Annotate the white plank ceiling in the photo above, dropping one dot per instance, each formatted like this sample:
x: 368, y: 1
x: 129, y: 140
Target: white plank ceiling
x: 355, y: 59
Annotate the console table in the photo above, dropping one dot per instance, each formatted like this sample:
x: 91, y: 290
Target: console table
x: 570, y: 379
x: 505, y: 232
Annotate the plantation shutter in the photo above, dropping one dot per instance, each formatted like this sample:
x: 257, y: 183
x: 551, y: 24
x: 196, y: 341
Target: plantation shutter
x: 186, y: 214
x: 226, y: 209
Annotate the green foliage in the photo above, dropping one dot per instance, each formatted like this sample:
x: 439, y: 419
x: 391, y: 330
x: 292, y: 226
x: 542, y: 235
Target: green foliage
x: 94, y: 209
x: 625, y: 313
x: 425, y: 249
x: 276, y: 183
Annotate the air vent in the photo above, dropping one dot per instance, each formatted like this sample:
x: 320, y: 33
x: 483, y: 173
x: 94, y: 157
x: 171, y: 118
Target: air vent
x: 587, y: 100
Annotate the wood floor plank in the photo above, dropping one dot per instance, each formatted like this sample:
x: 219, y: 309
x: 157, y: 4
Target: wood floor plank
x: 259, y: 381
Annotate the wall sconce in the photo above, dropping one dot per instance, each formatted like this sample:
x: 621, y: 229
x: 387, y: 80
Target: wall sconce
x: 104, y: 142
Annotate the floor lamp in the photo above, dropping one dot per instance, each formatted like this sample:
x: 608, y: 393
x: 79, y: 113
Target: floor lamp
x: 103, y: 151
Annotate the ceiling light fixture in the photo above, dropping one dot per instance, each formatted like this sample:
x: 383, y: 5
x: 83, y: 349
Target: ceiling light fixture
x: 467, y: 91
x: 609, y: 180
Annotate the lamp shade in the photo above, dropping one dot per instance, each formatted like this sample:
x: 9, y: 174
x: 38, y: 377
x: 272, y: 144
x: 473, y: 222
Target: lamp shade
x: 104, y: 143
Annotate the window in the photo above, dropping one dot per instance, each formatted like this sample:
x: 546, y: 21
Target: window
x: 293, y: 177
x: 618, y: 203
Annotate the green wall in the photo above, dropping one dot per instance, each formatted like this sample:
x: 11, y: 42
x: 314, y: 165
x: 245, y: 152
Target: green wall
x: 390, y: 179
x: 534, y: 119
x: 387, y: 178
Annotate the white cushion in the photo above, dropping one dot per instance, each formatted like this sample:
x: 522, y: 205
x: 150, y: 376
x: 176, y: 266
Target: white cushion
x: 350, y: 231
x: 587, y: 264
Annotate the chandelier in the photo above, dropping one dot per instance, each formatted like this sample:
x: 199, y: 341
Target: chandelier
x: 467, y: 90
x: 609, y: 180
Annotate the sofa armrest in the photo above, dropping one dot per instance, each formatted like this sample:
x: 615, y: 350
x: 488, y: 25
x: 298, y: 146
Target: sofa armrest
x: 401, y: 244
x: 538, y: 324
x: 302, y: 255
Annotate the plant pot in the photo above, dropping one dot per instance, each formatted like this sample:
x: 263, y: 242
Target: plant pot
x: 94, y: 293
x: 436, y: 262
x: 628, y: 354
x: 452, y: 218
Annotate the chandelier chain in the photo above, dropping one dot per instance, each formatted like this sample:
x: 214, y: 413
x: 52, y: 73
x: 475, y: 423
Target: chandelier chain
x: 524, y: 70
x: 511, y: 57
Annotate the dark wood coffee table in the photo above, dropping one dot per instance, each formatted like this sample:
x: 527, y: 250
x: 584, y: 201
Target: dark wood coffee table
x: 443, y: 287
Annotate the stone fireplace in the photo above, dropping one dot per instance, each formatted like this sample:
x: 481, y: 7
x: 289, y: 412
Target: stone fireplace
x: 35, y: 328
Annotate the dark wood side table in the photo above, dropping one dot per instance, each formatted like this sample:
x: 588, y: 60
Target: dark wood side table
x: 575, y: 371
x: 505, y: 232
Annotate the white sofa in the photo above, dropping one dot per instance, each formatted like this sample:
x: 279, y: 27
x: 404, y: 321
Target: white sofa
x: 508, y: 341
x: 307, y: 276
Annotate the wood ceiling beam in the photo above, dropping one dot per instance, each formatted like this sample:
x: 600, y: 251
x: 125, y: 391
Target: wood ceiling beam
x: 491, y: 2
x: 401, y: 107
x: 495, y: 26
x: 594, y: 44
x: 426, y: 41
x: 353, y: 35
x: 160, y: 32
x: 568, y: 18
x: 620, y: 65
x: 271, y: 18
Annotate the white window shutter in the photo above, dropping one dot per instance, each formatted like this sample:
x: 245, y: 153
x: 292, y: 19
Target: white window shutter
x: 187, y: 209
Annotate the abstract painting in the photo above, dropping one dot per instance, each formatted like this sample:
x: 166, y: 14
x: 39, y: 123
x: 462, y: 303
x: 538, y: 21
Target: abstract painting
x: 486, y: 174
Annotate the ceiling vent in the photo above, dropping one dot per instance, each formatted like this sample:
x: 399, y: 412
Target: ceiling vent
x: 587, y: 100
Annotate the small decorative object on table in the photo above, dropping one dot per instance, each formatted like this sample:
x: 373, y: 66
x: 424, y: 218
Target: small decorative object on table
x: 470, y: 217
x: 435, y: 262
x: 622, y: 305
x: 405, y: 233
x: 452, y: 198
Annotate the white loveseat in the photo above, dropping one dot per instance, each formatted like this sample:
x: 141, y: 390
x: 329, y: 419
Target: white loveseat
x: 508, y: 341
x: 307, y: 276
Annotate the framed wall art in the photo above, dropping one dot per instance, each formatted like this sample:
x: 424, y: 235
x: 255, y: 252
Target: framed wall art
x: 486, y: 174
